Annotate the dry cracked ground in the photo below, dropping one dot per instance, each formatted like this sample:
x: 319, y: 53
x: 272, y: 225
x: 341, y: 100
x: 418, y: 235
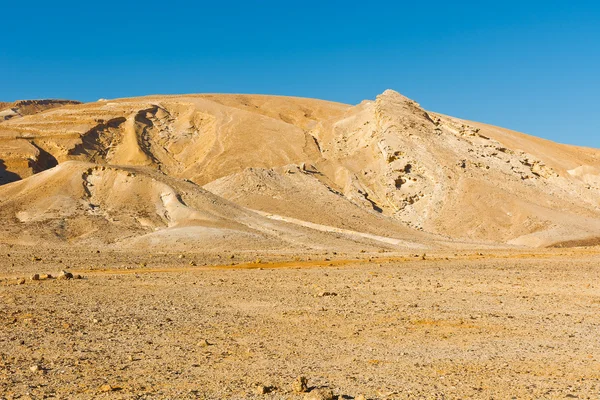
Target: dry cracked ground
x: 381, y: 326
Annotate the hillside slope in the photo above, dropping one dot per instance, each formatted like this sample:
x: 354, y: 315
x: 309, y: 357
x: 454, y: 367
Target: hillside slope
x: 385, y: 167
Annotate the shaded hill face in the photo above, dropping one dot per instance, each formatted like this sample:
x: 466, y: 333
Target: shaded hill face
x: 385, y: 168
x: 29, y: 107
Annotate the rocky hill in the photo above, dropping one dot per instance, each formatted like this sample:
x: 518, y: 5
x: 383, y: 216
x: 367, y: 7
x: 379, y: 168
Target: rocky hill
x: 288, y: 171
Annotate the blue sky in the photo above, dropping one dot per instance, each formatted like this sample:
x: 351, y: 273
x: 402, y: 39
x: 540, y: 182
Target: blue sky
x: 531, y: 66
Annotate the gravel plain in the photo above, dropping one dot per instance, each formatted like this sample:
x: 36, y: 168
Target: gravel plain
x: 166, y: 326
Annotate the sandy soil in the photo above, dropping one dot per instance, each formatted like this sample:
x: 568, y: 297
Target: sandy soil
x: 143, y: 325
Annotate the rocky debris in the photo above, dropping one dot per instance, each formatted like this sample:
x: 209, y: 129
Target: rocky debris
x: 300, y: 385
x: 538, y: 168
x: 319, y: 394
x: 36, y: 368
x: 65, y: 275
x: 360, y: 397
x: 327, y: 294
x: 21, y: 281
x: 35, y: 277
x: 108, y: 388
x: 262, y: 389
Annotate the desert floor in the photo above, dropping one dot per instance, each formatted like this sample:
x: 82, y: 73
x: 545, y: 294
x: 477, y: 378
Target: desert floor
x: 168, y: 325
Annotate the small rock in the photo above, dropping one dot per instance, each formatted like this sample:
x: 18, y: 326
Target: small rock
x: 204, y: 343
x: 65, y: 275
x: 360, y: 397
x: 300, y: 385
x: 324, y: 294
x: 108, y: 388
x: 262, y: 389
x: 45, y: 276
x: 319, y: 394
x: 35, y: 277
x: 21, y: 281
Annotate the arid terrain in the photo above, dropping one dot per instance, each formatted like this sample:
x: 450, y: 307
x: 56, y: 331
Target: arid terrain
x: 222, y: 246
x: 142, y: 325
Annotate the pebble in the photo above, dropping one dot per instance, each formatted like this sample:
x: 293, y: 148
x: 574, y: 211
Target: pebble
x: 323, y: 294
x: 65, y: 275
x: 35, y: 277
x: 300, y: 385
x: 35, y: 368
x: 262, y: 389
x: 108, y: 388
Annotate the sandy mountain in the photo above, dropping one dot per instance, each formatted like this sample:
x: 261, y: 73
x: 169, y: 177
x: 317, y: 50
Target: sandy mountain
x: 385, y: 168
x: 89, y: 204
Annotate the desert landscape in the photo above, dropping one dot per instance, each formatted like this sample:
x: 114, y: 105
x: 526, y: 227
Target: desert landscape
x: 221, y: 246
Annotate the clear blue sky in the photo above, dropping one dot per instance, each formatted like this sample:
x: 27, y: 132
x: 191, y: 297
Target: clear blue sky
x: 533, y: 66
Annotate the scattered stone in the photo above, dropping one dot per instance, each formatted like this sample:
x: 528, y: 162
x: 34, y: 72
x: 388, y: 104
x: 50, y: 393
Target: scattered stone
x: 360, y: 397
x: 300, y: 385
x: 21, y: 281
x: 36, y: 368
x: 36, y: 258
x: 262, y: 389
x: 324, y: 294
x: 319, y: 394
x: 65, y: 275
x: 45, y: 276
x: 204, y: 343
x: 181, y: 256
x: 109, y: 388
x: 35, y: 277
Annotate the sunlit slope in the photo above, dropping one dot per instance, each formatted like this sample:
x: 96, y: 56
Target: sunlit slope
x: 385, y: 167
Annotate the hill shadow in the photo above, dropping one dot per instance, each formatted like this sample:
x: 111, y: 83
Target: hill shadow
x: 7, y: 176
